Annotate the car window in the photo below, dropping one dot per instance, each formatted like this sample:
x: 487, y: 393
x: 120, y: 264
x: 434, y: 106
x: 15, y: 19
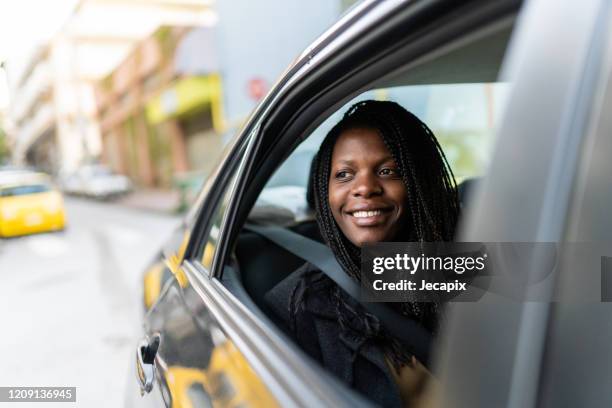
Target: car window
x: 100, y: 171
x: 463, y: 117
x: 259, y: 271
x: 24, y: 190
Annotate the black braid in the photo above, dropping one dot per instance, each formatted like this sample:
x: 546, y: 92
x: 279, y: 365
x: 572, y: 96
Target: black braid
x: 433, y: 204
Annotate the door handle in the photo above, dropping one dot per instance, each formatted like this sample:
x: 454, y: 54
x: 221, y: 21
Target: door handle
x: 145, y: 363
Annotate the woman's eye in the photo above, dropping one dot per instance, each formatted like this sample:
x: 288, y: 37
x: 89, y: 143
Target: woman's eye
x: 388, y: 172
x: 341, y: 174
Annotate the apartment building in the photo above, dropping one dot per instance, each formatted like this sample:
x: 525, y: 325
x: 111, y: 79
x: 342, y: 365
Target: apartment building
x: 160, y: 109
x: 54, y: 105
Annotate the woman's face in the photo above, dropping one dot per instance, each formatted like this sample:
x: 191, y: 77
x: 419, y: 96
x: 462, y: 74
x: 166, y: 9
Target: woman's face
x: 366, y: 193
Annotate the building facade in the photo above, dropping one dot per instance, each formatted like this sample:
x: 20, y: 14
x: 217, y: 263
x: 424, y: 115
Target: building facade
x: 161, y: 113
x: 33, y: 113
x: 54, y: 105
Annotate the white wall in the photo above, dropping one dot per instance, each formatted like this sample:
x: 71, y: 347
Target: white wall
x: 260, y: 40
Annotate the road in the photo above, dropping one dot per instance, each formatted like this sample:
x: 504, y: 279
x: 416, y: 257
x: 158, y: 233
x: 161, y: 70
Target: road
x: 70, y: 302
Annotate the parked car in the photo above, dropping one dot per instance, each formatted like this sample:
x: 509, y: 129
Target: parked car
x: 5, y: 168
x: 96, y: 181
x: 29, y: 203
x: 546, y: 177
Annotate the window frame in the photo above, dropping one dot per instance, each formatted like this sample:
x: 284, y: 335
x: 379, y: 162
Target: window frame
x: 222, y: 181
x: 229, y: 186
x: 255, y: 335
x: 284, y: 139
x: 307, y: 95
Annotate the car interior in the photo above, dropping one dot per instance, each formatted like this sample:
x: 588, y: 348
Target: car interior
x: 455, y: 90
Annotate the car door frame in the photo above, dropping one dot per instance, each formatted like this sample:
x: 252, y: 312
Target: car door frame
x: 282, y: 366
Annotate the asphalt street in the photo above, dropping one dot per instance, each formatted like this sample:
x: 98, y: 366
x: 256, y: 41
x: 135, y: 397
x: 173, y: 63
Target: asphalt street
x: 70, y: 302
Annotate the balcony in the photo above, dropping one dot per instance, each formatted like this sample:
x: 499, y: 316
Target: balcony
x: 37, y: 85
x: 31, y: 130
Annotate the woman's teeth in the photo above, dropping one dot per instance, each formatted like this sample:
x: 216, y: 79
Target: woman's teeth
x: 365, y: 214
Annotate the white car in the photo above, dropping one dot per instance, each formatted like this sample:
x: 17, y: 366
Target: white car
x: 96, y: 181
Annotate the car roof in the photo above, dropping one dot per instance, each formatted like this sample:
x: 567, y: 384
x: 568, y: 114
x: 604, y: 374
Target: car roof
x: 21, y: 177
x: 477, y: 58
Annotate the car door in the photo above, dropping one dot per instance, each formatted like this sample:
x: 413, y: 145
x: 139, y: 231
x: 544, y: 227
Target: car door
x: 288, y: 375
x: 185, y: 357
x: 197, y: 317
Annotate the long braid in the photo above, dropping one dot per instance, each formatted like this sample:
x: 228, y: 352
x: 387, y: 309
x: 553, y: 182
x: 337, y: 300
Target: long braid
x: 432, y: 201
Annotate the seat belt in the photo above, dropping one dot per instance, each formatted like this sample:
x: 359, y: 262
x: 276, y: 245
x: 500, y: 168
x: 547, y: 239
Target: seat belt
x: 408, y: 331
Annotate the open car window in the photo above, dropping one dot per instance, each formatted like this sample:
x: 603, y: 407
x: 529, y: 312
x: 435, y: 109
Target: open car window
x: 463, y: 112
x: 463, y: 117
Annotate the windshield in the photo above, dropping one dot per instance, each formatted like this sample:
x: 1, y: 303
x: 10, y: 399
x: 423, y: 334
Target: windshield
x: 98, y: 171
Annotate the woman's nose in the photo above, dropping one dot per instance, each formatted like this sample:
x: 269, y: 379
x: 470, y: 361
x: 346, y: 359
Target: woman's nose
x: 366, y: 185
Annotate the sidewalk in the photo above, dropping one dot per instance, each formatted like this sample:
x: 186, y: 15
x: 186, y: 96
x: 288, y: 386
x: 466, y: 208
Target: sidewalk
x: 164, y: 201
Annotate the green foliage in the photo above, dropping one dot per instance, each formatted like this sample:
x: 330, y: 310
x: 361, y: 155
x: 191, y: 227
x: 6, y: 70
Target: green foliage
x: 107, y: 82
x: 4, y: 150
x: 166, y: 41
x: 467, y: 152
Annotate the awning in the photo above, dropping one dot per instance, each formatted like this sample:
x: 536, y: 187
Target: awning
x: 185, y: 96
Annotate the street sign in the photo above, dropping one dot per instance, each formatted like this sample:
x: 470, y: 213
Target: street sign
x: 257, y: 88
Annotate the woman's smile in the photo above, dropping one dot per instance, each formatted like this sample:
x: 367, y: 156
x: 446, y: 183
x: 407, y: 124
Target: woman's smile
x: 369, y: 217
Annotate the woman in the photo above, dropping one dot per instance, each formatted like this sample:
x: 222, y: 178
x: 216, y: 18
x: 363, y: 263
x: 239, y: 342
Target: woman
x: 379, y: 176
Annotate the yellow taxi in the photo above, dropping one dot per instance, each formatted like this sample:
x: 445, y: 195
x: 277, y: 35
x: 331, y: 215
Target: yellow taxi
x: 29, y: 203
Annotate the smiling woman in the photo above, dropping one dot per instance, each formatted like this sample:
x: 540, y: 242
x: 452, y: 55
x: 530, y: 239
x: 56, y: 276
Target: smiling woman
x: 382, y: 160
x: 369, y: 172
x: 379, y: 176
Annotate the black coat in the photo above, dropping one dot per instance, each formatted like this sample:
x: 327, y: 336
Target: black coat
x: 344, y: 351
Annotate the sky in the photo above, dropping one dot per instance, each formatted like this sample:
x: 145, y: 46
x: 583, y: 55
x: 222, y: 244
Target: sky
x: 23, y: 25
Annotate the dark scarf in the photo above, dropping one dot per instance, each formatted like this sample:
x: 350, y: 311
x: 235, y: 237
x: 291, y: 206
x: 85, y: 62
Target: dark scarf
x: 317, y: 294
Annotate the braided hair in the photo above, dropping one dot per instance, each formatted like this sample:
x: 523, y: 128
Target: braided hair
x: 432, y: 202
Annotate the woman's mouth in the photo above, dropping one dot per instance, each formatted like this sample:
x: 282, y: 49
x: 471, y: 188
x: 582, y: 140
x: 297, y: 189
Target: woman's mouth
x: 368, y: 218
